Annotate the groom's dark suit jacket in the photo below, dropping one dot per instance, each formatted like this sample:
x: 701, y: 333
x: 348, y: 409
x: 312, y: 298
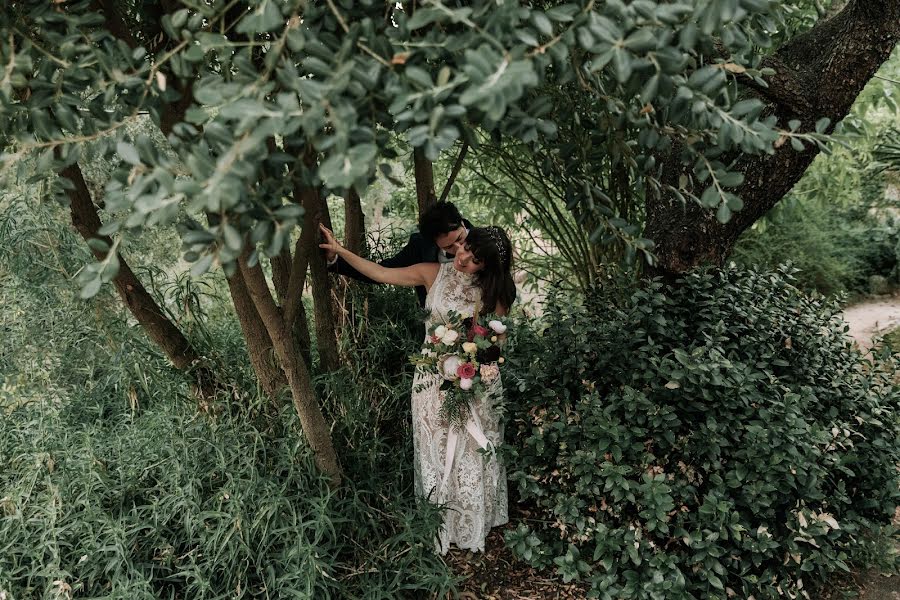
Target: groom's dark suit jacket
x: 417, y: 250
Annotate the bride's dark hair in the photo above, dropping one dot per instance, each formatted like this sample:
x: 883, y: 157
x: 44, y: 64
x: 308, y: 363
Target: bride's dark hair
x: 492, y: 248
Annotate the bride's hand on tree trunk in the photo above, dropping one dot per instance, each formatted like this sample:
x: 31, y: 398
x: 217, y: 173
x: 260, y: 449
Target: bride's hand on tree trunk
x: 331, y: 246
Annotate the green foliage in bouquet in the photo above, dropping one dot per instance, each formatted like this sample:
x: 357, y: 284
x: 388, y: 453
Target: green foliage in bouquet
x: 465, y: 353
x: 724, y: 439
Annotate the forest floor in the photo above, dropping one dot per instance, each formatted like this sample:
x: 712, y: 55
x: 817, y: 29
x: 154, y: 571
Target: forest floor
x: 868, y: 320
x: 872, y: 318
x: 496, y: 575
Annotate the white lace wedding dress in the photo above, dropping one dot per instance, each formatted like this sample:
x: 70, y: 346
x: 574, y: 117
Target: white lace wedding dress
x: 474, y: 489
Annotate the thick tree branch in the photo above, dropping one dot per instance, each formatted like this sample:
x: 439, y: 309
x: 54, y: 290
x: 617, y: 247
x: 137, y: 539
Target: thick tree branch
x: 259, y: 345
x: 297, y: 280
x: 822, y: 73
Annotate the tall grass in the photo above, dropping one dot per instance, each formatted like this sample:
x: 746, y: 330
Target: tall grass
x: 114, y: 486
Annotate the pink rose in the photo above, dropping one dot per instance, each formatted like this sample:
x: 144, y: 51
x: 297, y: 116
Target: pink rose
x: 466, y: 384
x: 474, y: 330
x: 466, y: 371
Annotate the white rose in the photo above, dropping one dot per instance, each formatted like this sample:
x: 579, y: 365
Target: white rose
x: 449, y: 366
x: 465, y: 384
x: 470, y: 347
x: 440, y: 331
x: 450, y: 337
x: 497, y: 326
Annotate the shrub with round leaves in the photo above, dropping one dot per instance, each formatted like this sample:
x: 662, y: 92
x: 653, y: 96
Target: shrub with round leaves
x: 721, y: 439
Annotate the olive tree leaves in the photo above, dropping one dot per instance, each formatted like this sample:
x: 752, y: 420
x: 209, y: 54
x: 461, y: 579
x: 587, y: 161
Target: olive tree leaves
x: 340, y: 80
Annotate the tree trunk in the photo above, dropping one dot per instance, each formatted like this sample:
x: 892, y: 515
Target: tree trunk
x: 424, y: 174
x: 259, y: 345
x: 282, y: 267
x: 281, y: 274
x: 292, y: 306
x: 457, y: 166
x: 354, y: 222
x: 818, y: 74
x: 146, y: 311
x: 326, y: 331
x: 114, y: 20
x: 315, y: 428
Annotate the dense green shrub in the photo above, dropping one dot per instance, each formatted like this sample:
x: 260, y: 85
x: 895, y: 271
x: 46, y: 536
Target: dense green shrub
x: 721, y: 438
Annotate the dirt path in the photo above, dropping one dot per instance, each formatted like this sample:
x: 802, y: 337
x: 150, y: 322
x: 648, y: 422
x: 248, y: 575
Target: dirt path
x: 868, y: 320
x: 872, y: 318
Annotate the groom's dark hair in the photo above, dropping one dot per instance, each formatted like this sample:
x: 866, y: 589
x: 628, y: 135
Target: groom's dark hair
x: 441, y: 218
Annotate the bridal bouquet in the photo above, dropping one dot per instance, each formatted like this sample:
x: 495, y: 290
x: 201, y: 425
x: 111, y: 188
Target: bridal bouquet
x: 465, y: 353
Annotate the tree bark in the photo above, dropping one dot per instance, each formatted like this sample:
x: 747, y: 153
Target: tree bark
x: 291, y: 301
x: 281, y: 274
x: 457, y: 165
x: 819, y: 74
x: 354, y: 222
x: 424, y: 174
x: 146, y: 311
x: 115, y: 22
x: 259, y: 346
x: 315, y: 428
x: 292, y: 305
x: 326, y: 332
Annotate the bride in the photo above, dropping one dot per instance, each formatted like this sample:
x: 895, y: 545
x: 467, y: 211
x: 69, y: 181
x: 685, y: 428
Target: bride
x: 471, y: 483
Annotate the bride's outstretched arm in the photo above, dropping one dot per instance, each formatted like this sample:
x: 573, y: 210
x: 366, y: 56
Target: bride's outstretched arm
x: 411, y: 276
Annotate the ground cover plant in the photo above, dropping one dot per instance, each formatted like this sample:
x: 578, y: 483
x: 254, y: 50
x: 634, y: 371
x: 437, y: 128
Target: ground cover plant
x: 724, y: 438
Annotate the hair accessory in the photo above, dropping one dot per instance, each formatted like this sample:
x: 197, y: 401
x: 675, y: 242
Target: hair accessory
x: 498, y: 241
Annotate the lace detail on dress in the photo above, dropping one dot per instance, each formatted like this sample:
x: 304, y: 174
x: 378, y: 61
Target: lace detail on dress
x: 475, y: 492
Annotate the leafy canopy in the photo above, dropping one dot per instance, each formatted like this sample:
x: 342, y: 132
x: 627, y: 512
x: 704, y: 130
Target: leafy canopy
x: 291, y: 93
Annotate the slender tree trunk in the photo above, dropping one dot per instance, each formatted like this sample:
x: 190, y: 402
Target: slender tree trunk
x: 135, y: 296
x: 146, y: 311
x: 293, y: 308
x: 281, y: 274
x: 354, y: 222
x: 424, y: 174
x: 457, y: 166
x: 818, y: 74
x: 259, y: 346
x: 315, y: 428
x: 326, y: 329
x: 282, y: 266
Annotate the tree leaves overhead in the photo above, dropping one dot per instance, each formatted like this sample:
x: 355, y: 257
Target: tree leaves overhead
x: 340, y: 80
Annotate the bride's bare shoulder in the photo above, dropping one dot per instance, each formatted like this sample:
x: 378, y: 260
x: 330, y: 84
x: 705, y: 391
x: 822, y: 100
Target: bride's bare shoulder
x: 429, y: 272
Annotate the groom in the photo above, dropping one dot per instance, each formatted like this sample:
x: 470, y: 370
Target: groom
x: 442, y: 231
